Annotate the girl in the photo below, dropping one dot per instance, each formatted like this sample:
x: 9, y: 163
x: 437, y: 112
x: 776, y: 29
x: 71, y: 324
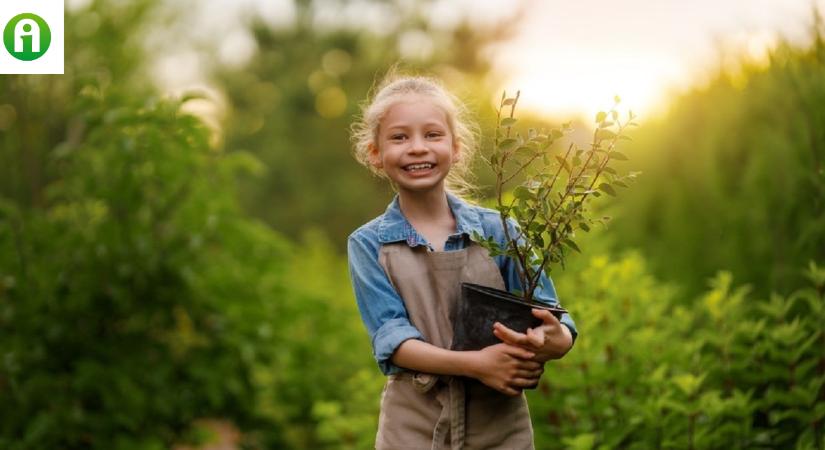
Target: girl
x: 407, y: 266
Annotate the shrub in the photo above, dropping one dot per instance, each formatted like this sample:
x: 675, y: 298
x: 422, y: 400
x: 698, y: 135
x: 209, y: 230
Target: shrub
x: 728, y: 371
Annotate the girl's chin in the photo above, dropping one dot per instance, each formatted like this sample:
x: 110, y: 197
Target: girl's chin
x: 419, y: 183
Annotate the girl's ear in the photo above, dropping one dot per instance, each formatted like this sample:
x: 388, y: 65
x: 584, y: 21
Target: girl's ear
x: 374, y: 156
x: 457, y: 149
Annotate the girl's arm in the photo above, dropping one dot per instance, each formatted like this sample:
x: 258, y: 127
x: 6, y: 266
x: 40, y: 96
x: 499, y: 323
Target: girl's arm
x: 382, y: 309
x: 505, y: 368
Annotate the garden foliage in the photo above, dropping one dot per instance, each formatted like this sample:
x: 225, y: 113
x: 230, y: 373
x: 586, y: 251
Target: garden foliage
x: 731, y: 369
x: 734, y: 175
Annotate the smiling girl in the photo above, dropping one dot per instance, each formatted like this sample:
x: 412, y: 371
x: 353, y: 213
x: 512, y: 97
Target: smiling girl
x: 407, y: 266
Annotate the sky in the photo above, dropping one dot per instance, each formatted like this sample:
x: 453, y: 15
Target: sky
x: 570, y: 57
x: 575, y: 56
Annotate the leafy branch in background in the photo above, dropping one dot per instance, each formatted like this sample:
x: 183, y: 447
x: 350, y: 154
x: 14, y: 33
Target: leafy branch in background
x: 550, y: 202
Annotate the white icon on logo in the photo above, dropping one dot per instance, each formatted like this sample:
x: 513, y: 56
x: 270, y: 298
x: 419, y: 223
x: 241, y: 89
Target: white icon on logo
x: 26, y: 27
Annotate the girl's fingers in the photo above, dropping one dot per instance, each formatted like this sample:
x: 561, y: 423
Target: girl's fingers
x: 536, y: 336
x: 518, y: 352
x: 522, y: 383
x: 530, y: 373
x: 546, y: 316
x: 529, y: 365
x: 510, y: 391
x: 502, y: 337
x: 533, y: 339
x: 509, y: 336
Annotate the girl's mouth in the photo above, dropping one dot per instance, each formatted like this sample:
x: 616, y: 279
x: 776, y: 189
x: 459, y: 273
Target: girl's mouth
x: 418, y: 167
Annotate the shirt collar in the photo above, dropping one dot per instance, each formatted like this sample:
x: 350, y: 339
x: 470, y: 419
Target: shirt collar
x: 395, y: 227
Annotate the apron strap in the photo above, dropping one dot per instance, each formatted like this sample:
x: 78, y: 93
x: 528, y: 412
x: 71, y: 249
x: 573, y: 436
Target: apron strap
x: 452, y: 397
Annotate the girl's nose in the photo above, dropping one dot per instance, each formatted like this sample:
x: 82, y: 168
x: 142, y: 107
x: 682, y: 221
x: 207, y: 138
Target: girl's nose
x: 418, y: 144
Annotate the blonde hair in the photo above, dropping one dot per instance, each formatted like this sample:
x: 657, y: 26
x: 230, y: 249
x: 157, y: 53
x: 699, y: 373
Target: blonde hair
x: 394, y: 86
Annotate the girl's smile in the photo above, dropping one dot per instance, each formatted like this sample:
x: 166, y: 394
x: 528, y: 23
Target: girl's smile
x: 419, y: 169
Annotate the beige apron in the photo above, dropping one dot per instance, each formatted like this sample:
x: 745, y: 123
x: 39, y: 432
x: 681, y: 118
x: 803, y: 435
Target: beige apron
x: 423, y: 411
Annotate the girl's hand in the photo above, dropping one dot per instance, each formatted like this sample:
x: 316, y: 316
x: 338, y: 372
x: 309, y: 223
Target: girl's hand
x: 507, y: 368
x: 551, y: 340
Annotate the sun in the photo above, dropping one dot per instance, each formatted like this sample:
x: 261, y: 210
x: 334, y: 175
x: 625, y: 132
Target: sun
x: 580, y: 85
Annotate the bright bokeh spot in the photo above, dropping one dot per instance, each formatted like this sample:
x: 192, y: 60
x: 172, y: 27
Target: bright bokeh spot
x: 331, y: 102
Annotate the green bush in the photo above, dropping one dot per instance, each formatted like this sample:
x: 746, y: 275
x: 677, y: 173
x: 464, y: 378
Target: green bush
x: 734, y: 176
x: 126, y: 300
x: 726, y: 371
x: 323, y: 387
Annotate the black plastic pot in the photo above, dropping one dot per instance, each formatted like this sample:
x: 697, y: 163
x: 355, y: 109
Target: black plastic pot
x: 480, y: 307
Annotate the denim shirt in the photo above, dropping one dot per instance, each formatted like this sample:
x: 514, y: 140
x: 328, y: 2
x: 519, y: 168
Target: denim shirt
x: 382, y: 309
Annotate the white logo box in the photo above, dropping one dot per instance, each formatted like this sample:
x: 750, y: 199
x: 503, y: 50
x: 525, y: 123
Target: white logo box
x: 52, y: 61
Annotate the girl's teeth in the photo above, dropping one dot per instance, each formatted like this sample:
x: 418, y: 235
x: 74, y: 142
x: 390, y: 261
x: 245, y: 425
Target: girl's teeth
x: 419, y: 166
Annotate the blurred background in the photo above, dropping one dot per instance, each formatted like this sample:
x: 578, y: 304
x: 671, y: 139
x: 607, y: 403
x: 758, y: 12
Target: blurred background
x: 174, y: 213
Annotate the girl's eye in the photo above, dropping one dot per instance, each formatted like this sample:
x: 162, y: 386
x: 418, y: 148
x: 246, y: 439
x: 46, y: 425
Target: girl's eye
x: 397, y: 137
x: 434, y: 134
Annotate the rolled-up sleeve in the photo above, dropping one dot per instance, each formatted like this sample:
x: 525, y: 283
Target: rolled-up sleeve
x: 545, y: 292
x: 382, y: 309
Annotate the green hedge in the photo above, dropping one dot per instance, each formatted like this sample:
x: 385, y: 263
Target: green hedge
x: 729, y: 370
x: 733, y: 176
x: 129, y: 302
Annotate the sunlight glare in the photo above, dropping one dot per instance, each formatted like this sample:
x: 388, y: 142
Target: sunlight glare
x: 587, y: 84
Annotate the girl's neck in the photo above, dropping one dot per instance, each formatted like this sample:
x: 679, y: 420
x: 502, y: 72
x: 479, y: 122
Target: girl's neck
x: 430, y: 206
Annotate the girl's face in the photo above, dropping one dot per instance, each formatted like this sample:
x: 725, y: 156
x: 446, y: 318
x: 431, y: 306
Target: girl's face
x: 415, y: 145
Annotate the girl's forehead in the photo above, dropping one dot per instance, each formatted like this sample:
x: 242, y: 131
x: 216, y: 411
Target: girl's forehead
x: 414, y: 110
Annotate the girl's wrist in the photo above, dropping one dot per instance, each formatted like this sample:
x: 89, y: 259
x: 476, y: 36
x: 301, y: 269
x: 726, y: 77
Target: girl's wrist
x: 469, y: 363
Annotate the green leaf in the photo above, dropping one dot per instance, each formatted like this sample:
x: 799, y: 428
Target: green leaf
x: 525, y: 151
x: 572, y: 245
x: 507, y: 144
x: 618, y: 156
x: 607, y: 188
x: 600, y: 116
x: 537, y: 227
x: 508, y: 121
x: 688, y: 383
x: 522, y: 193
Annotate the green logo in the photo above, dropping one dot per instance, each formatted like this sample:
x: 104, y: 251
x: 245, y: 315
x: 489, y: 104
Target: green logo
x: 27, y: 36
